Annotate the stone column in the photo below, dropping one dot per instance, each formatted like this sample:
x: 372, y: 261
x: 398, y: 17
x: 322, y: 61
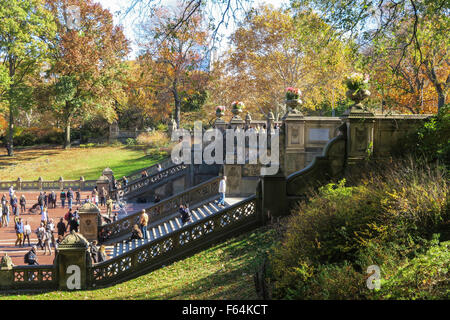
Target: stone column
x: 103, y: 182
x: 294, y: 142
x: 360, y: 127
x: 274, y: 200
x: 6, y: 272
x: 89, y: 221
x: 73, y: 260
x: 108, y: 173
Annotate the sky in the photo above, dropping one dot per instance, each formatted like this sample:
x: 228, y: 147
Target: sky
x: 128, y: 23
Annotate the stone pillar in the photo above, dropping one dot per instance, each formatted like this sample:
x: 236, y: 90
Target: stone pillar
x: 220, y: 124
x: 237, y: 122
x: 73, y: 260
x: 6, y: 272
x: 274, y: 200
x: 294, y: 154
x: 360, y: 133
x: 108, y: 173
x: 82, y: 182
x: 103, y: 182
x: 89, y: 221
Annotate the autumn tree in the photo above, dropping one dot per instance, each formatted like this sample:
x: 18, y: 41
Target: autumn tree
x: 24, y: 29
x: 174, y: 56
x: 274, y: 49
x: 88, y: 67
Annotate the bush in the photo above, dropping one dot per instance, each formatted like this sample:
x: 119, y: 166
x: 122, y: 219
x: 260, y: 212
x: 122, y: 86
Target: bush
x: 330, y: 240
x: 131, y: 142
x: 32, y: 136
x: 154, y: 139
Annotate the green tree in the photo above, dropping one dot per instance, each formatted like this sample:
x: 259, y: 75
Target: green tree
x: 24, y: 28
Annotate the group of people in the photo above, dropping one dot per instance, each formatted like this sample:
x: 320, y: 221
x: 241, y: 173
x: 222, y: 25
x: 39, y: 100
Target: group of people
x: 11, y: 206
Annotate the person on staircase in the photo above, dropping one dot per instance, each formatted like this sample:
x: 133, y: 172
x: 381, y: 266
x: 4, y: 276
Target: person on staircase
x: 222, y: 190
x: 143, y: 221
x: 136, y: 233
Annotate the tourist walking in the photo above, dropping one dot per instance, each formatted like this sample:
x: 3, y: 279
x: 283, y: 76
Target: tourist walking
x: 23, y: 203
x: 19, y: 232
x: 222, y: 190
x: 47, y: 240
x: 70, y: 198
x: 5, y: 216
x: 94, y: 251
x: 51, y: 230
x: 41, y: 201
x: 26, y: 232
x: 44, y: 216
x: 102, y: 253
x: 40, y: 235
x: 62, y: 196
x: 15, y: 205
x: 109, y: 207
x: 11, y: 193
x: 143, y: 221
x: 103, y: 194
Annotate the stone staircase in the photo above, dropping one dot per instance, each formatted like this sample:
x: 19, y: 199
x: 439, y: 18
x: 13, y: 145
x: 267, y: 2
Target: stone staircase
x: 172, y: 224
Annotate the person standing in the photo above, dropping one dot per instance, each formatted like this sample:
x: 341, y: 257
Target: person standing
x: 26, y: 232
x: 41, y: 201
x: 15, y: 205
x: 94, y: 251
x: 44, y: 216
x: 40, y: 235
x: 159, y: 168
x: 109, y: 206
x: 102, y: 253
x: 62, y: 196
x: 70, y: 198
x: 19, y: 232
x: 45, y: 199
x: 143, y: 221
x: 47, y: 239
x: 62, y: 228
x: 54, y: 199
x: 6, y: 214
x: 51, y: 230
x: 222, y: 190
x: 11, y: 193
x: 103, y: 194
x: 78, y: 197
x: 23, y: 203
x: 1, y: 216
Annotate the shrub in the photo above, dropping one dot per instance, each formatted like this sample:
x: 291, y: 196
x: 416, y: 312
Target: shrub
x: 131, y: 142
x: 154, y: 139
x: 387, y: 216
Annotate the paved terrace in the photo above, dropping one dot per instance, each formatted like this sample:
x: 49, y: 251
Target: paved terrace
x: 8, y: 234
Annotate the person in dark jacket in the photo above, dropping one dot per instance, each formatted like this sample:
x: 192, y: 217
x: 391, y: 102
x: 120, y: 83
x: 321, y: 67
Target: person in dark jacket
x: 61, y: 226
x: 185, y: 216
x: 41, y: 201
x: 54, y: 199
x: 94, y: 251
x: 70, y: 197
x: 62, y: 196
x: 136, y: 233
x: 31, y: 257
x: 23, y: 203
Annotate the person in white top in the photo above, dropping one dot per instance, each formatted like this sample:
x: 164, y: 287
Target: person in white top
x: 26, y: 232
x: 11, y: 192
x: 44, y: 216
x: 222, y: 190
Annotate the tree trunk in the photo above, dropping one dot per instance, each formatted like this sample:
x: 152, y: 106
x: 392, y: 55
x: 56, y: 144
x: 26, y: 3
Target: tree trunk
x: 9, y: 142
x: 176, y: 98
x: 67, y: 135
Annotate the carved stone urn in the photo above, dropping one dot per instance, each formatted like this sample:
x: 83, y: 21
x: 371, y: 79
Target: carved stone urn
x: 357, y: 96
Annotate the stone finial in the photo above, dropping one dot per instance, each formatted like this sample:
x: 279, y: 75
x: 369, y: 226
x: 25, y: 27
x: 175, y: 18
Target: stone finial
x: 248, y: 117
x: 103, y: 178
x: 107, y: 171
x: 270, y: 116
x: 81, y: 178
x: 40, y: 179
x: 74, y: 240
x: 60, y: 179
x: 6, y: 263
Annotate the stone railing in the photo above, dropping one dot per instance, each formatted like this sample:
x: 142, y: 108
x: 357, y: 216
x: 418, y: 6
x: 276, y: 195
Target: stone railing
x: 41, y: 185
x: 142, y: 183
x: 162, y: 209
x: 165, y: 163
x: 225, y: 223
x: 29, y: 277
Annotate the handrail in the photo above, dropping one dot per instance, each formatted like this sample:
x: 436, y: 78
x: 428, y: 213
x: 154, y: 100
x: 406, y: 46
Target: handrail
x: 162, y: 209
x: 174, y: 244
x: 136, y: 175
x: 155, y: 178
x: 31, y: 277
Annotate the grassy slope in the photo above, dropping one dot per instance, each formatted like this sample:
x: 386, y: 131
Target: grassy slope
x: 224, y: 271
x: 51, y: 163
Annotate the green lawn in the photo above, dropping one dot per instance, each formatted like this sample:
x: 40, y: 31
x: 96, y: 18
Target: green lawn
x: 224, y: 271
x: 51, y: 163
